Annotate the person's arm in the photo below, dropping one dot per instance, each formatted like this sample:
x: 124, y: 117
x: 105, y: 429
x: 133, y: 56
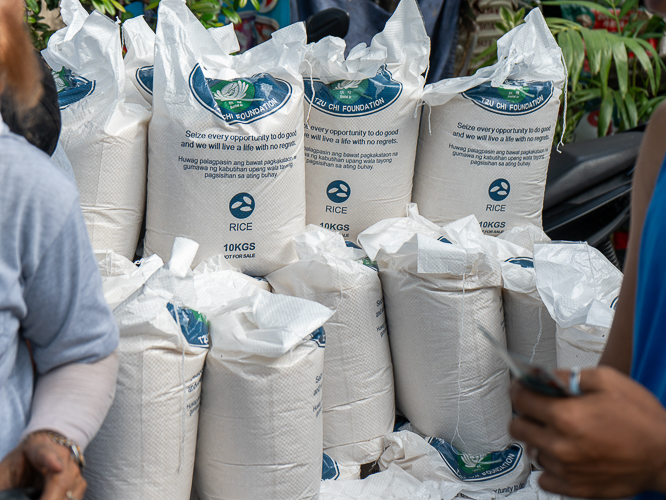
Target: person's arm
x: 618, y: 352
x: 73, y: 335
x: 67, y: 399
x: 611, y: 441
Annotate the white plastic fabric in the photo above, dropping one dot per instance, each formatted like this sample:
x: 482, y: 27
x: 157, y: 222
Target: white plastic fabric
x: 121, y: 277
x: 391, y: 484
x: 499, y: 473
x: 140, y: 57
x: 226, y: 143
x: 449, y: 382
x: 260, y: 433
x: 146, y: 446
x: 359, y: 400
x: 103, y: 134
x: 485, y: 140
x: 332, y: 470
x: 579, y: 286
x: 530, y: 330
x: 362, y: 124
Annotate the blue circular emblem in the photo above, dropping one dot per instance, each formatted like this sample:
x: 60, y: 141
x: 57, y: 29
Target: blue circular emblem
x: 338, y: 191
x: 241, y: 206
x: 499, y: 189
x: 524, y: 262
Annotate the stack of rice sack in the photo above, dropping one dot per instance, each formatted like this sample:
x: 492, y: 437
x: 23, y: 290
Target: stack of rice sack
x: 146, y: 446
x: 441, y: 288
x: 358, y: 396
x: 226, y: 143
x: 580, y: 287
x: 103, y: 129
x: 362, y: 121
x: 485, y: 140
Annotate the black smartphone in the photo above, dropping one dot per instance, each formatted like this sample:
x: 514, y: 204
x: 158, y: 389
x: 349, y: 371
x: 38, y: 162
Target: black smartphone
x: 20, y: 494
x: 534, y: 377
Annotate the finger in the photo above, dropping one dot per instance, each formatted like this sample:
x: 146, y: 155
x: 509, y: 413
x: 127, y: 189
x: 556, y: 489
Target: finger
x: 56, y: 485
x: 597, y: 379
x: 553, y: 483
x: 534, y: 406
x: 532, y: 434
x: 79, y: 490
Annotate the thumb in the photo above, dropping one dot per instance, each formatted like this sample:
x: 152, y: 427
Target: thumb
x: 44, y: 458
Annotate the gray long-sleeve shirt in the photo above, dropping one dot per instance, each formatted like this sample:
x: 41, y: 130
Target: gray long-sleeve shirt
x: 50, y: 287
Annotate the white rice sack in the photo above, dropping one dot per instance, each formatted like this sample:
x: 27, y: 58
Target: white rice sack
x: 359, y: 400
x: 226, y: 144
x: 140, y: 58
x: 361, y: 135
x: 530, y: 330
x: 146, y: 446
x: 499, y: 473
x: 449, y: 382
x: 103, y: 134
x: 260, y: 432
x: 580, y: 287
x: 485, y: 143
x: 332, y: 470
x: 140, y: 42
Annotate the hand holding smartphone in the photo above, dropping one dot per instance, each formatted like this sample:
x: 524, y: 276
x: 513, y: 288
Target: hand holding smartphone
x: 534, y: 377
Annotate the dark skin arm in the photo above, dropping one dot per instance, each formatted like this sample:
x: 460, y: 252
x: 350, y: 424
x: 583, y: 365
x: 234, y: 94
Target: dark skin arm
x: 611, y: 441
x: 619, y: 349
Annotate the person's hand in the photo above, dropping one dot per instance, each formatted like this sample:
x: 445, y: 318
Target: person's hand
x: 608, y: 443
x: 39, y: 462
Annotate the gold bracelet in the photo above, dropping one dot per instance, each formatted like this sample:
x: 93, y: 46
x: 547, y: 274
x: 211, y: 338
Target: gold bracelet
x: 75, y: 450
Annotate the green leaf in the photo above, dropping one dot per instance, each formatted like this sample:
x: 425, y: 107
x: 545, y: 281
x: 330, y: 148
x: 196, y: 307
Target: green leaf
x: 256, y: 4
x: 634, y: 45
x: 152, y: 5
x: 507, y: 16
x: 619, y: 104
x: 594, y: 49
x: 621, y: 65
x: 605, y: 114
x: 231, y: 15
x: 627, y: 6
x: 606, y: 55
x: 564, y: 41
x: 118, y: 6
x: 582, y: 3
x: 33, y: 5
x: 631, y: 110
x: 242, y: 3
x: 125, y: 16
x: 578, y: 57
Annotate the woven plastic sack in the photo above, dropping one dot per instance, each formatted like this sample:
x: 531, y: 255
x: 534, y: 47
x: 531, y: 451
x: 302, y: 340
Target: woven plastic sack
x: 121, y: 277
x: 140, y: 42
x: 362, y: 124
x: 359, y: 401
x: 499, y: 473
x: 260, y: 433
x: 146, y: 446
x: 439, y: 294
x: 226, y: 144
x: 530, y: 330
x: 485, y: 142
x: 103, y: 133
x: 140, y: 58
x: 580, y: 287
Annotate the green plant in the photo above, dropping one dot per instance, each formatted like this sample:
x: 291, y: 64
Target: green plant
x: 207, y: 11
x: 623, y: 71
